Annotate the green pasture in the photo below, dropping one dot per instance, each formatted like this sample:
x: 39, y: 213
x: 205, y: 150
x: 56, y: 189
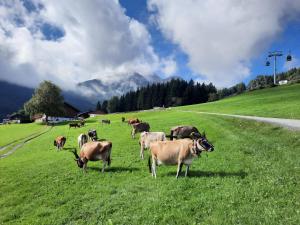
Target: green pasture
x: 281, y: 102
x: 252, y: 177
x: 15, y: 132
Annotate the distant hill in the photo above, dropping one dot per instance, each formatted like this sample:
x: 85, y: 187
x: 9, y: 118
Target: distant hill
x: 12, y: 98
x: 98, y: 90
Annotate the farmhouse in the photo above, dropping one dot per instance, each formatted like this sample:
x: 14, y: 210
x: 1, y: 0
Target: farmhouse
x: 17, y: 118
x: 96, y: 113
x: 70, y: 112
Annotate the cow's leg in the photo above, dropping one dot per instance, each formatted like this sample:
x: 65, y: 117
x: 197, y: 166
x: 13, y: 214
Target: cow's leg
x: 133, y: 133
x: 153, y: 167
x: 104, y: 164
x: 179, y: 168
x: 187, y: 170
x: 142, y: 151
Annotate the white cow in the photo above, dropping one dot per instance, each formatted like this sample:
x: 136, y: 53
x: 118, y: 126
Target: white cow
x: 148, y: 137
x: 82, y: 139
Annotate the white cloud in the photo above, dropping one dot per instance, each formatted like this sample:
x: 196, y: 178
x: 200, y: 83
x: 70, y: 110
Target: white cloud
x: 168, y: 66
x: 99, y: 41
x: 221, y: 37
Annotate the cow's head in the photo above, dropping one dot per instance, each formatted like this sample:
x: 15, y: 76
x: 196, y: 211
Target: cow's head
x: 77, y: 159
x: 201, y: 143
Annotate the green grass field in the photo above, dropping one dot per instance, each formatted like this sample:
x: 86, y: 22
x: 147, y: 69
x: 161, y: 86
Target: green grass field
x: 252, y: 177
x: 281, y: 102
x: 14, y: 132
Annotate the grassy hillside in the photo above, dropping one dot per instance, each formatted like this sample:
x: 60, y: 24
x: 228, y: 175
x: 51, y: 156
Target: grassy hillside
x: 282, y: 102
x: 252, y: 177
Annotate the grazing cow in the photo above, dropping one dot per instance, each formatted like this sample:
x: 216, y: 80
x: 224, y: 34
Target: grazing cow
x: 132, y: 121
x: 148, y: 137
x: 178, y: 152
x: 105, y: 121
x: 82, y: 139
x: 94, y: 151
x: 139, y: 127
x: 82, y: 122
x: 180, y: 132
x: 59, y: 142
x: 123, y: 119
x: 93, y: 135
x: 74, y: 125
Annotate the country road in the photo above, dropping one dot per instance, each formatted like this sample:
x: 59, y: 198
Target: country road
x: 291, y: 124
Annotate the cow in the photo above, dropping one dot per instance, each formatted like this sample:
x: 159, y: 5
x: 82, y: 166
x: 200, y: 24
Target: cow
x: 93, y: 135
x: 132, y: 121
x: 82, y: 139
x: 180, y: 132
x: 59, y: 142
x: 123, y: 119
x: 139, y: 127
x: 94, y: 151
x: 105, y: 121
x: 148, y: 137
x: 82, y: 123
x: 179, y: 152
x: 74, y: 125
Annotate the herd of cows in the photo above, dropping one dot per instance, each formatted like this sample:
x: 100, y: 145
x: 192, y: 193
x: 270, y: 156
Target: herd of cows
x: 185, y: 144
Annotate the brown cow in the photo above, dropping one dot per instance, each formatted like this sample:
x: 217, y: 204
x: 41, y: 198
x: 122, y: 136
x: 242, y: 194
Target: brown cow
x: 139, y: 127
x: 74, y: 125
x: 132, y: 121
x: 105, y: 121
x: 94, y: 151
x: 180, y: 132
x: 59, y: 142
x: 178, y: 152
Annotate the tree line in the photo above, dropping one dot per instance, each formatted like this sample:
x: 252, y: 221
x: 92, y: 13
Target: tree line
x: 172, y: 93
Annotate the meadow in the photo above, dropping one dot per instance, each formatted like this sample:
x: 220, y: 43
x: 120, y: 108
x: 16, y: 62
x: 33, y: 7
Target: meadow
x: 281, y: 102
x: 252, y: 177
x: 15, y: 132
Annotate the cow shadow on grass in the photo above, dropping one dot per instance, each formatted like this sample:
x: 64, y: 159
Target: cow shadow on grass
x: 113, y: 169
x: 199, y: 173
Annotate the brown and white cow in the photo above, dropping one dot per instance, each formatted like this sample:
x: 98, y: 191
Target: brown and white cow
x: 139, y: 127
x: 59, y: 142
x: 82, y: 139
x: 148, y: 137
x: 94, y: 151
x: 180, y: 152
x: 180, y: 132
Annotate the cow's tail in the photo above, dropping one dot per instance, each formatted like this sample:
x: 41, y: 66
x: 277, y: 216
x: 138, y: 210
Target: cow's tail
x: 149, y: 164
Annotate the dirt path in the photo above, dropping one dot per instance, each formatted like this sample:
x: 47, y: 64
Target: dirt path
x: 20, y: 143
x: 286, y: 123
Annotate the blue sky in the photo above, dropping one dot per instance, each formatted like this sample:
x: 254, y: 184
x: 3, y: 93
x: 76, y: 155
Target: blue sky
x: 288, y: 41
x: 69, y: 42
